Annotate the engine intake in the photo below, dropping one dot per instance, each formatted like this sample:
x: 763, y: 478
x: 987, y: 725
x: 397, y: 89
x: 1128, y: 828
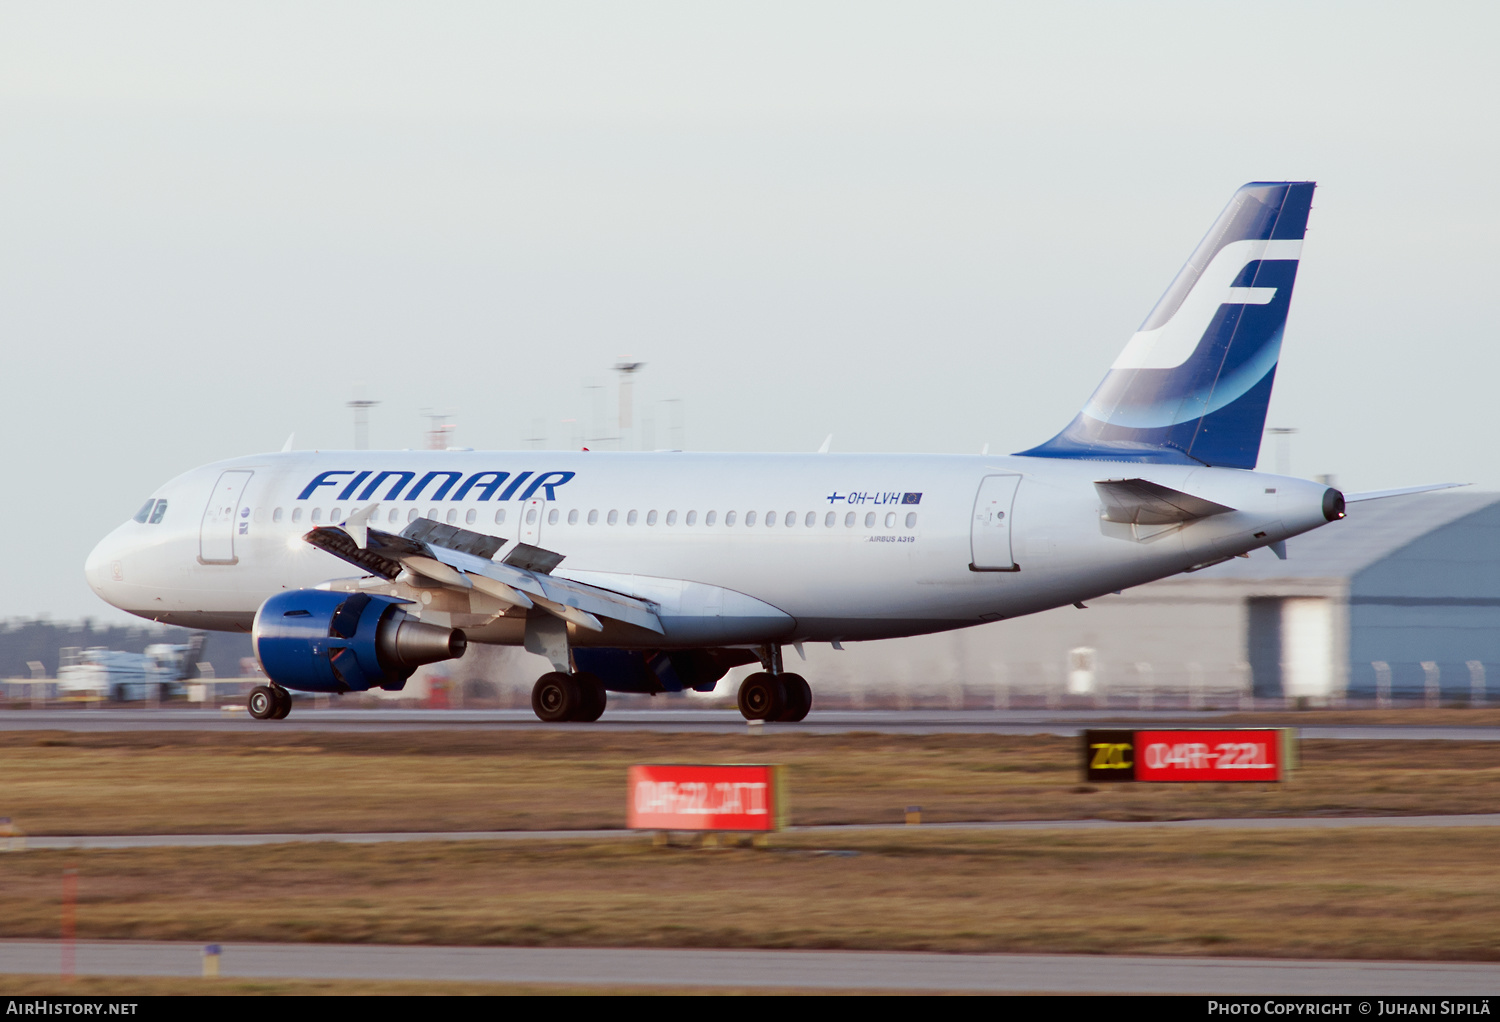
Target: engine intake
x: 320, y: 641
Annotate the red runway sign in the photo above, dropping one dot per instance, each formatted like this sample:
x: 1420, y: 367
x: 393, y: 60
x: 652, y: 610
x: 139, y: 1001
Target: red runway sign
x: 1208, y: 755
x: 1259, y: 754
x: 705, y: 798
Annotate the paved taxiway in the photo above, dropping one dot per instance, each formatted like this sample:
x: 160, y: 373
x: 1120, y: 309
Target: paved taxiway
x: 45, y: 842
x: 1003, y: 722
x: 846, y: 970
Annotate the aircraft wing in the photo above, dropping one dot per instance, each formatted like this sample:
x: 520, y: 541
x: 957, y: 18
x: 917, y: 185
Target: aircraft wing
x: 1142, y: 502
x: 456, y: 558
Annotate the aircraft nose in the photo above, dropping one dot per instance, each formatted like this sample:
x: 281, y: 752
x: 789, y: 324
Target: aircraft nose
x: 104, y: 568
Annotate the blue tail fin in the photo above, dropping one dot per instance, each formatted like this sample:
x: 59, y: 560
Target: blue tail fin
x: 1192, y: 385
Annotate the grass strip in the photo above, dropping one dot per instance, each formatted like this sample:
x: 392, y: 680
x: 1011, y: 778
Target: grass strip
x: 1361, y: 894
x: 263, y: 781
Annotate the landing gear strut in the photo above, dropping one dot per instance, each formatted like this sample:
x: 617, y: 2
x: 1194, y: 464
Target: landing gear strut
x: 560, y: 697
x: 269, y: 702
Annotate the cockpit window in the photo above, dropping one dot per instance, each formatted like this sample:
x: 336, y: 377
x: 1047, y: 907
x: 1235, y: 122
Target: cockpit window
x: 145, y: 511
x: 161, y: 509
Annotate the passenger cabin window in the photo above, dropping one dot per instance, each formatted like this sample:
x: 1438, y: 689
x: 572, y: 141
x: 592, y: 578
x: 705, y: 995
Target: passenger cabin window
x: 829, y: 519
x: 692, y: 518
x: 671, y: 517
x: 791, y: 519
x: 811, y: 519
x: 531, y: 516
x: 145, y: 511
x: 633, y: 517
x: 911, y: 519
x: 470, y: 518
x: 890, y: 520
x: 651, y: 517
x: 412, y: 515
x: 432, y: 513
x: 161, y: 509
x: 317, y: 514
x: 336, y: 515
x: 552, y: 517
x: 453, y: 516
x: 573, y: 517
x: 749, y: 518
x: 870, y: 520
x: 296, y: 514
x: 395, y: 513
x: 594, y: 517
x: 276, y: 515
x: 728, y: 518
x: 849, y: 520
x: 500, y: 517
x: 614, y: 517
x: 710, y: 518
x: 770, y: 518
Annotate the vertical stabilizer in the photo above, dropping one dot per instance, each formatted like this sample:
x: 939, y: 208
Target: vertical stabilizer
x: 1193, y: 384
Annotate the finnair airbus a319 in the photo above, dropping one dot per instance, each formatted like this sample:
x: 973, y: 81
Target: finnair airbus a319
x: 661, y: 572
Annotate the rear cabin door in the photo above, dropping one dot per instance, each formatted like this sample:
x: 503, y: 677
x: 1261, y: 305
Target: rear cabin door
x: 989, y: 533
x: 222, y: 518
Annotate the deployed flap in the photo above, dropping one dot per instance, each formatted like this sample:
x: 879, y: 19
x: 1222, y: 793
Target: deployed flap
x: 1141, y: 502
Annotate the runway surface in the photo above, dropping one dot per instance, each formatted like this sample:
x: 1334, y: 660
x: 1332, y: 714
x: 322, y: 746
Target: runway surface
x: 1066, y: 723
x: 40, y: 843
x: 844, y: 970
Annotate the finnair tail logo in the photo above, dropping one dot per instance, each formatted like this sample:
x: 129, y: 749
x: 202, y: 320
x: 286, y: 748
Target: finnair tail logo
x: 1173, y: 343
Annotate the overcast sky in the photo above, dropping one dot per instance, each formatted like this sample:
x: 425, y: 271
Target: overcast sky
x: 919, y: 227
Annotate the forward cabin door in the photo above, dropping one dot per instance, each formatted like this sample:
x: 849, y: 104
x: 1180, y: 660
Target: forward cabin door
x: 989, y: 533
x: 221, y: 519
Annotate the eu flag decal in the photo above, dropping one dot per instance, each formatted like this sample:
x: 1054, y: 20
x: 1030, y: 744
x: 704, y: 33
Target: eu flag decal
x: 911, y: 498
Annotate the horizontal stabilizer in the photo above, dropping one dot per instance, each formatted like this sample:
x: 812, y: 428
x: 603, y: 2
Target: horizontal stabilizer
x: 1351, y: 498
x: 1142, y: 502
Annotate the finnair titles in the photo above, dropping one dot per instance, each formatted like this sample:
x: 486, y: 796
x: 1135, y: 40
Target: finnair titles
x: 662, y: 572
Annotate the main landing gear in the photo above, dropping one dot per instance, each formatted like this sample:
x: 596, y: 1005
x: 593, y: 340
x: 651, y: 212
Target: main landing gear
x: 773, y: 694
x: 269, y: 702
x: 568, y: 697
x: 775, y: 697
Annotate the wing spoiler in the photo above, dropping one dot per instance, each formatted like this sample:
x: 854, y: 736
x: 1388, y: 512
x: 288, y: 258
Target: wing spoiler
x: 457, y: 558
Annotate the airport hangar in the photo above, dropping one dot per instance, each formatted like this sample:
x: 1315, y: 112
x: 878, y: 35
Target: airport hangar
x: 1402, y: 598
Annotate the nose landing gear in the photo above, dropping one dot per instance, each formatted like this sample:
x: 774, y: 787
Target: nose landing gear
x: 269, y: 702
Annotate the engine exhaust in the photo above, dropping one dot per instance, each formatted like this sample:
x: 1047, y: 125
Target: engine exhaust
x: 406, y: 643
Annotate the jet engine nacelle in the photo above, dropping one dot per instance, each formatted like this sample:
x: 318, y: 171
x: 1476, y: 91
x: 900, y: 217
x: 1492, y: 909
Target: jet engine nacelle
x: 320, y: 641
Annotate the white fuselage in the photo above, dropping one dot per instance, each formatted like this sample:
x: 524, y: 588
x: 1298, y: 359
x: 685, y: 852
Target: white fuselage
x: 843, y: 547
